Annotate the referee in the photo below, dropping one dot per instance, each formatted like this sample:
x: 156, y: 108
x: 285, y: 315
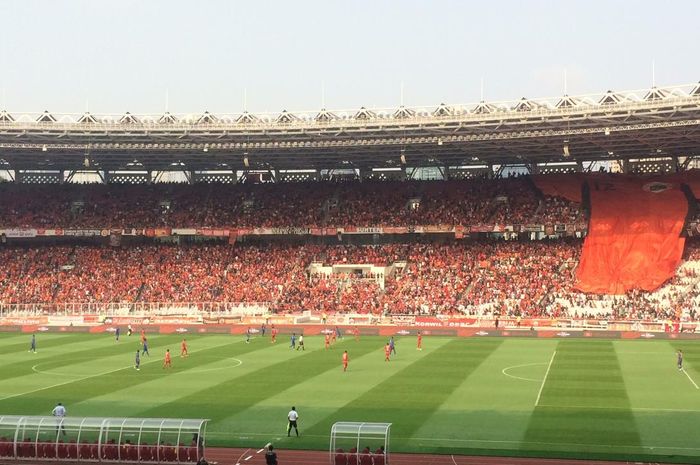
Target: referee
x: 292, y: 416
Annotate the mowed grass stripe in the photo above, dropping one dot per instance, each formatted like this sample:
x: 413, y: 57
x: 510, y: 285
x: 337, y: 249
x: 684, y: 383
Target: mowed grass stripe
x: 238, y: 394
x: 72, y: 392
x: 43, y: 341
x: 320, y: 396
x: 654, y: 382
x: 410, y: 397
x: 491, y: 404
x: 88, y: 350
x: 556, y: 420
x: 202, y: 372
x: 691, y: 357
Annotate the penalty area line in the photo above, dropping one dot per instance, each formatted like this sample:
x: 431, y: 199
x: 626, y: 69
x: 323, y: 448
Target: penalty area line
x: 691, y: 379
x: 544, y: 380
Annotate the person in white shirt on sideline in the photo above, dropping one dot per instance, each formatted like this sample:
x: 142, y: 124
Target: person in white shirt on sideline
x: 292, y: 416
x: 59, y: 411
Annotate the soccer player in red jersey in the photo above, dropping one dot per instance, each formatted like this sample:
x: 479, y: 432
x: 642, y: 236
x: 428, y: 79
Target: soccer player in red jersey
x: 273, y: 334
x: 328, y: 340
x: 143, y: 335
x: 333, y: 336
x: 387, y: 352
x: 183, y: 348
x: 345, y: 361
x: 420, y: 341
x: 167, y: 363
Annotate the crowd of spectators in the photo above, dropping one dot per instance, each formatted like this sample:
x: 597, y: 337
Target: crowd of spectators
x: 471, y: 278
x: 303, y: 204
x: 677, y: 300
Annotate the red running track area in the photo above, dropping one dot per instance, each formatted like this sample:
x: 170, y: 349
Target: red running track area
x: 223, y: 456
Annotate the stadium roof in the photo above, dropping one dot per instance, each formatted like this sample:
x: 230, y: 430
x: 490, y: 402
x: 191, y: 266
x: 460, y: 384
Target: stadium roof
x: 610, y: 126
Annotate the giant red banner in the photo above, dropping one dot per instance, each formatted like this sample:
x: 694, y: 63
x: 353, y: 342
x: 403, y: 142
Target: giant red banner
x: 634, y: 239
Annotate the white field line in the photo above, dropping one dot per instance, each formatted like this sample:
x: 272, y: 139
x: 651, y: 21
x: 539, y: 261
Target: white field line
x: 544, y: 380
x: 494, y: 441
x: 633, y: 409
x: 505, y: 371
x: 691, y: 379
x: 75, y: 380
x: 238, y: 461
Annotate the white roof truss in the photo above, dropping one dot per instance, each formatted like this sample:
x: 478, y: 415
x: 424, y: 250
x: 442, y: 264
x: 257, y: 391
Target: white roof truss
x: 46, y: 117
x: 128, y: 118
x: 207, y: 118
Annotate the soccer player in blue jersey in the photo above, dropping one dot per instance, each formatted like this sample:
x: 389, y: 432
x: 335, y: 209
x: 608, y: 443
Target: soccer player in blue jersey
x: 116, y: 334
x: 137, y: 360
x: 680, y: 360
x: 293, y: 341
x: 145, y: 347
x: 32, y: 348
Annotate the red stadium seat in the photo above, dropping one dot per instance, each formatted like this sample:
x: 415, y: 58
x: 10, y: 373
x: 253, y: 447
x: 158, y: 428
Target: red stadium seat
x: 182, y: 453
x: 365, y: 458
x: 72, y: 450
x: 169, y: 453
x: 111, y: 452
x: 340, y: 458
x: 27, y: 449
x: 85, y: 452
x: 145, y: 452
x: 352, y: 456
x: 49, y: 450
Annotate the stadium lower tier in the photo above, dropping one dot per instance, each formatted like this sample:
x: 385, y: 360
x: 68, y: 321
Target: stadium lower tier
x: 479, y: 278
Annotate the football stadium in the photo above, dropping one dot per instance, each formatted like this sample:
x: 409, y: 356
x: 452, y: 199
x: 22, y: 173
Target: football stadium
x: 506, y: 282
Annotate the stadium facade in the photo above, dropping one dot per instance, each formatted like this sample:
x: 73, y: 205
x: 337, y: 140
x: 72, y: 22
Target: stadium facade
x: 649, y: 131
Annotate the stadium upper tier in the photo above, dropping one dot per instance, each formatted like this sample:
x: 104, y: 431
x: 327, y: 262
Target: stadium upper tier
x: 475, y: 278
x: 309, y: 204
x: 613, y: 125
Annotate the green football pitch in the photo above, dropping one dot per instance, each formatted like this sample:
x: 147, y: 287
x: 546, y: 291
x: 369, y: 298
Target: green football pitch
x: 534, y: 397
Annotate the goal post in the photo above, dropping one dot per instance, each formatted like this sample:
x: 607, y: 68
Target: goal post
x: 359, y: 443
